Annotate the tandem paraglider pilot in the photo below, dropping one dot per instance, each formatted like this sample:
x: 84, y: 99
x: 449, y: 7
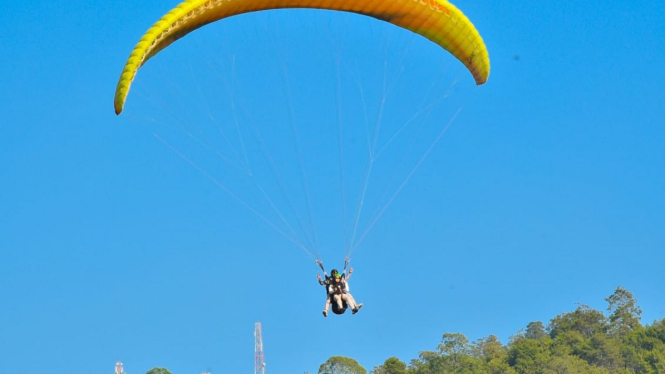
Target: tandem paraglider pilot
x: 337, y: 293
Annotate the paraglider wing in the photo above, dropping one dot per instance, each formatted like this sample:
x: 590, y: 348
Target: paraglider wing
x: 437, y: 20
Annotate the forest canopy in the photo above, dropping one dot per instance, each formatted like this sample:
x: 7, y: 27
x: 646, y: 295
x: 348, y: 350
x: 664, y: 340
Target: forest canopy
x: 584, y: 341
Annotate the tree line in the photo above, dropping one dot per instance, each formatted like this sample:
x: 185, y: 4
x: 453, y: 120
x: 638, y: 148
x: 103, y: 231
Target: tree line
x: 584, y: 341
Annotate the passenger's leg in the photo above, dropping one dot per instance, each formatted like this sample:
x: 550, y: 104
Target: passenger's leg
x: 325, y: 308
x: 349, y: 300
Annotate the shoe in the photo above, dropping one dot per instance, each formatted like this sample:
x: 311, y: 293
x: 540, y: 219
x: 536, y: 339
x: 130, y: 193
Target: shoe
x: 354, y: 311
x: 325, y: 313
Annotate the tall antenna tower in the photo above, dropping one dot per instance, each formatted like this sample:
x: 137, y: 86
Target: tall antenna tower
x: 259, y: 363
x: 118, y: 368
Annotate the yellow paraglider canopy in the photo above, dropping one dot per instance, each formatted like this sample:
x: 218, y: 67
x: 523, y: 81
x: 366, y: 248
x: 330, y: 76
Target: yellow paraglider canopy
x: 437, y: 20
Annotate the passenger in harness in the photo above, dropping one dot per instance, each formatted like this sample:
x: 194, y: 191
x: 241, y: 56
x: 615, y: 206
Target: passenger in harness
x: 337, y: 293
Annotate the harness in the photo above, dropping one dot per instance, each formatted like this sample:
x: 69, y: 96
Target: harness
x: 339, y: 287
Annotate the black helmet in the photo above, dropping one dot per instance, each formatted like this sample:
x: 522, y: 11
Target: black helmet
x: 334, y: 272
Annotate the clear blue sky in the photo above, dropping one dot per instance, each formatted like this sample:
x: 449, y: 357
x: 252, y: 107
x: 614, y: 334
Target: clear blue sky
x: 546, y: 190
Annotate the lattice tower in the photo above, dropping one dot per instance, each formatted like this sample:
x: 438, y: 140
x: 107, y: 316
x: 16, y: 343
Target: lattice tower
x: 259, y: 363
x: 119, y: 369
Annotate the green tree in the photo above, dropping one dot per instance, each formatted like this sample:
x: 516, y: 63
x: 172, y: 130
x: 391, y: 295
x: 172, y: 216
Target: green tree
x: 529, y: 356
x: 602, y: 350
x: 428, y: 362
x: 585, y: 320
x: 643, y: 351
x: 392, y: 365
x: 624, y: 312
x: 535, y: 330
x: 571, y: 365
x: 341, y: 365
x: 569, y: 342
x: 657, y: 330
x: 489, y: 348
x: 455, y: 352
x: 492, y: 356
x: 157, y: 370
